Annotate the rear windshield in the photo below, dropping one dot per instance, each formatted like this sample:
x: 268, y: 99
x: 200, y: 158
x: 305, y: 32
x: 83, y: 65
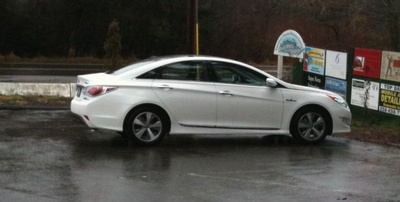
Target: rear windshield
x: 130, y: 67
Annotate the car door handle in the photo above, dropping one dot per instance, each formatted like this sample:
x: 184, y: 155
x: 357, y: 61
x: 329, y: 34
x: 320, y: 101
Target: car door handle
x: 226, y: 92
x: 165, y: 87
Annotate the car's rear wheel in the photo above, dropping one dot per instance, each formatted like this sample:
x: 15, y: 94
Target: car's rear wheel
x: 146, y: 126
x: 310, y: 126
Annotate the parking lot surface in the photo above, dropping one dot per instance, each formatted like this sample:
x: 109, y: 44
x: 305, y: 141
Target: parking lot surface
x: 47, y: 157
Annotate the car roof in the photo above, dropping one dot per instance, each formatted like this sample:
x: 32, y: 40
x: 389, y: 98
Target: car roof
x: 155, y: 61
x: 187, y: 57
x: 150, y: 63
x: 133, y: 70
x: 180, y: 58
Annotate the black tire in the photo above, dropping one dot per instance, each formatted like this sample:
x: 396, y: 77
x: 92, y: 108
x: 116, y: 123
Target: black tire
x: 310, y: 126
x: 146, y: 126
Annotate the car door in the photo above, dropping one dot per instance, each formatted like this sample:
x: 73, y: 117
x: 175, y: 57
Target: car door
x: 244, y: 100
x: 187, y: 92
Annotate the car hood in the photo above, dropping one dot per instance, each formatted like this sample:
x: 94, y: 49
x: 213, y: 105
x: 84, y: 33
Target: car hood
x: 305, y: 88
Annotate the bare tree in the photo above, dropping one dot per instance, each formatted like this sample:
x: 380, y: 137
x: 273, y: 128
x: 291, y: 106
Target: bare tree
x: 239, y: 28
x: 387, y: 13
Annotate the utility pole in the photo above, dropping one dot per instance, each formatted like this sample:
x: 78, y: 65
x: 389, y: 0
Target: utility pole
x: 193, y: 27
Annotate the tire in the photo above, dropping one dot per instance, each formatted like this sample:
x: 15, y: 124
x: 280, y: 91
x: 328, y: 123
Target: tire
x: 146, y: 126
x: 310, y: 126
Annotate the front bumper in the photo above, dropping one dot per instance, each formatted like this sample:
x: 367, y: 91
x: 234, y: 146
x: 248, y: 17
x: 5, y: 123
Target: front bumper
x: 341, y: 121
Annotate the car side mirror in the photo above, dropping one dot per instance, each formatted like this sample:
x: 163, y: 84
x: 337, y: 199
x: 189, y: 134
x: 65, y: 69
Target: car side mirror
x: 271, y: 83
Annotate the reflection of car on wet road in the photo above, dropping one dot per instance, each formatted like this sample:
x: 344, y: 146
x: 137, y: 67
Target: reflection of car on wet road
x: 205, y: 95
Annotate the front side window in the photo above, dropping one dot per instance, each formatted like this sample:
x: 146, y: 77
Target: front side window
x: 236, y: 74
x: 187, y: 71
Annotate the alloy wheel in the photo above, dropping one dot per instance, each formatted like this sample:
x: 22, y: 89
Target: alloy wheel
x: 147, y: 126
x: 311, y: 126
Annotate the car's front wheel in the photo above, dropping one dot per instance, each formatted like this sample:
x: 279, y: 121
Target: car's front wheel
x: 146, y: 126
x: 310, y: 126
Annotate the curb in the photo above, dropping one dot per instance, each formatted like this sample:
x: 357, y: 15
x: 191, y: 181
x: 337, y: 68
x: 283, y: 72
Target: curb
x: 66, y: 90
x: 41, y: 89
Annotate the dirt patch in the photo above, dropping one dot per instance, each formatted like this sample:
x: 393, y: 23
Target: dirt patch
x: 390, y: 137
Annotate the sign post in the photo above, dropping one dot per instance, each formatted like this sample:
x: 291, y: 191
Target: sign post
x: 289, y: 44
x: 280, y: 66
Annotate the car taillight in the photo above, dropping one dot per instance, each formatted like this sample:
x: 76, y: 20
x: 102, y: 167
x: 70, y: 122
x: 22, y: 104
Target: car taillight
x: 99, y: 90
x: 96, y: 90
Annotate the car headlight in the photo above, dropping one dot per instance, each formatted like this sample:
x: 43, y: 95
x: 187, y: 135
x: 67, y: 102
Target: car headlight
x: 338, y: 100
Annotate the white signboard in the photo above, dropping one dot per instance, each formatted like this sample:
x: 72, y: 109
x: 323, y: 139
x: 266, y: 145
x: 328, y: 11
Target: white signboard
x: 290, y: 44
x: 336, y: 64
x: 365, y: 93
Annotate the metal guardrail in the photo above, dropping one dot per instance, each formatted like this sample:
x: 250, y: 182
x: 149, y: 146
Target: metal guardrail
x: 64, y: 69
x: 49, y: 69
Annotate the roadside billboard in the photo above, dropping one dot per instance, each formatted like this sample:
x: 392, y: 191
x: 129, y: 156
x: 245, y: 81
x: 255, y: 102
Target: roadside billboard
x: 390, y: 99
x: 365, y: 93
x: 367, y: 63
x: 314, y: 60
x: 390, y: 66
x: 336, y: 64
x: 337, y: 86
x: 313, y: 80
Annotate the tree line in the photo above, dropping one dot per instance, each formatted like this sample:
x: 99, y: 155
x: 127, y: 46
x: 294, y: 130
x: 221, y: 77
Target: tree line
x: 239, y: 29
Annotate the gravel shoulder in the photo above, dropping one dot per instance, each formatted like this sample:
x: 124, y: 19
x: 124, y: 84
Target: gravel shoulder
x: 389, y: 137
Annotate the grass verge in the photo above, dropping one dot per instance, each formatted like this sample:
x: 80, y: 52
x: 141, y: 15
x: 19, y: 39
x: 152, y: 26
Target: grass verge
x: 378, y: 130
x: 36, y: 101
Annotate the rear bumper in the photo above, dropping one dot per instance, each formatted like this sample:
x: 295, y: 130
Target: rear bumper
x: 78, y: 119
x: 79, y: 110
x: 95, y: 115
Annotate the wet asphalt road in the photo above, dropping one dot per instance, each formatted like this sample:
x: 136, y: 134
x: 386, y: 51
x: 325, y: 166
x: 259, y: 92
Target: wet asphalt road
x: 44, y: 156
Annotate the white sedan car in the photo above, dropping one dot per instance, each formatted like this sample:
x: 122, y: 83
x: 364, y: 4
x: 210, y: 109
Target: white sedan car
x: 205, y: 95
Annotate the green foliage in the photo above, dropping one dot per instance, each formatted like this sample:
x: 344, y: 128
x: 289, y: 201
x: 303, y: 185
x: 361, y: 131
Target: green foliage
x: 373, y: 119
x: 19, y: 100
x: 112, y: 45
x: 9, y: 58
